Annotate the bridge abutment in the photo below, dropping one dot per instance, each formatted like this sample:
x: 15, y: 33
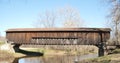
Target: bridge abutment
x: 16, y: 47
x: 101, y: 49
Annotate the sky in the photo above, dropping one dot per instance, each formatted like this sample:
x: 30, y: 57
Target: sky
x: 23, y: 13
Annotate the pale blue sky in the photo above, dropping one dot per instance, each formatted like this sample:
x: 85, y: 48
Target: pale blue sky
x: 22, y: 13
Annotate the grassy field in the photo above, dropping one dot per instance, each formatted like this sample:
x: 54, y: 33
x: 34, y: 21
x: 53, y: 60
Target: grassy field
x: 1, y: 43
x: 59, y: 52
x: 63, y: 50
x: 5, y: 55
x: 112, y: 58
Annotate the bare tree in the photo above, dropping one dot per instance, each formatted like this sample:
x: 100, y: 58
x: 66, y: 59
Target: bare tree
x: 46, y: 20
x: 70, y: 17
x: 114, y: 18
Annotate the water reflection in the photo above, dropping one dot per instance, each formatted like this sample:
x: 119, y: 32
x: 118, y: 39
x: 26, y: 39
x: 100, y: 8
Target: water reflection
x: 56, y: 59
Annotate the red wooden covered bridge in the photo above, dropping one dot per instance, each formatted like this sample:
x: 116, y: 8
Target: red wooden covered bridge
x: 59, y: 36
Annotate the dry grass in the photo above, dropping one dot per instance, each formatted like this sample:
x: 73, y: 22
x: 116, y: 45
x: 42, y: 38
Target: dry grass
x: 4, y: 55
x: 116, y: 51
x: 1, y: 43
x: 113, y: 58
x: 62, y: 49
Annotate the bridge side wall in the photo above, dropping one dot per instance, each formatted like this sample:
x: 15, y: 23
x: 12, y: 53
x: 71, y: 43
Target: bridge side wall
x: 83, y: 38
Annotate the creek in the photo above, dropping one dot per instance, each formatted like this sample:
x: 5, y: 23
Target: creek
x: 56, y: 59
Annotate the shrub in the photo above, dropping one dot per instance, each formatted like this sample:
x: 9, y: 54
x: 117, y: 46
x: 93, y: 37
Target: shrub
x: 116, y: 51
x: 1, y: 43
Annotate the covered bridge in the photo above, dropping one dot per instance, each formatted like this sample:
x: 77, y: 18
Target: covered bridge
x: 58, y: 36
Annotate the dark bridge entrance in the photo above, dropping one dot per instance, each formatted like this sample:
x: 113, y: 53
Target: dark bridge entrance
x: 60, y: 36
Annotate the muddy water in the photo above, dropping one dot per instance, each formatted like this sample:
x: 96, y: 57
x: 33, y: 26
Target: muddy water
x: 56, y: 59
x: 51, y: 59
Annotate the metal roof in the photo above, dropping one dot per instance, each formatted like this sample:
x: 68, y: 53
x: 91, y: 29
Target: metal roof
x: 57, y: 29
